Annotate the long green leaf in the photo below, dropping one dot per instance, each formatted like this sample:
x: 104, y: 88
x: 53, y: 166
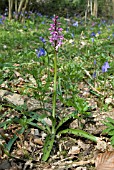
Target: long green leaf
x: 8, y: 121
x: 110, y: 120
x: 107, y: 130
x: 80, y: 133
x: 40, y: 118
x: 65, y: 119
x: 48, y: 145
x: 12, y: 140
x: 38, y: 126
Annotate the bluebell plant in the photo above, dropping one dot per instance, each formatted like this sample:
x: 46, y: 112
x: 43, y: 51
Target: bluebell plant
x: 93, y: 34
x: 105, y: 67
x: 40, y: 52
x: 75, y: 24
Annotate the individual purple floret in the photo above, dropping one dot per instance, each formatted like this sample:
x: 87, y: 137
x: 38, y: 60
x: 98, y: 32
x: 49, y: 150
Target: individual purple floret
x: 105, y: 67
x: 56, y: 33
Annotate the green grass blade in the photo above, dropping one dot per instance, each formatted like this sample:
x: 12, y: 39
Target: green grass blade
x: 80, y: 133
x: 48, y: 145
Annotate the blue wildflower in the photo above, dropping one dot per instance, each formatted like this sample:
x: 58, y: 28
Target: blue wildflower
x: 75, y: 24
x: 67, y: 29
x: 40, y: 52
x: 92, y: 39
x: 94, y: 75
x: 103, y: 21
x: 42, y: 39
x: 72, y: 34
x: 105, y: 67
x: 39, y: 14
x: 99, y: 32
x: 93, y: 34
x: 1, y: 22
x: 26, y: 12
x: 95, y: 62
x: 43, y: 22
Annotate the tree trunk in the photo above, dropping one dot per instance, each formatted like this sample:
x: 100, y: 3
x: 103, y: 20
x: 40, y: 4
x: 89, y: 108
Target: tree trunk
x: 20, y: 6
x: 95, y: 10
x: 21, y: 9
x: 10, y: 9
x: 113, y: 8
x: 16, y: 6
x: 91, y: 7
x: 24, y: 9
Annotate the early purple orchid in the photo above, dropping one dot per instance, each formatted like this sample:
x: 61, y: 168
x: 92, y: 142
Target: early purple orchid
x: 56, y: 33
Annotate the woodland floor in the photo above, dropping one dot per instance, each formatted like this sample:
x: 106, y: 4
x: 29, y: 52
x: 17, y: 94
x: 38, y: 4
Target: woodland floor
x: 70, y: 152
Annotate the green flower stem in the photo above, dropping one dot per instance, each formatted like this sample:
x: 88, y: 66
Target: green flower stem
x: 55, y: 84
x: 105, y: 78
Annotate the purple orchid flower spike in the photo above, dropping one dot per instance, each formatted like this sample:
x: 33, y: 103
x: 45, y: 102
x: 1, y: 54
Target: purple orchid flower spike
x: 56, y: 33
x: 105, y: 67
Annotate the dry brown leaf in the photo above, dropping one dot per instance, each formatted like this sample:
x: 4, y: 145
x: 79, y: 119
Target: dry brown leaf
x: 17, y: 74
x: 81, y: 168
x: 38, y: 141
x: 16, y: 65
x: 101, y: 145
x: 105, y: 161
x: 74, y: 150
